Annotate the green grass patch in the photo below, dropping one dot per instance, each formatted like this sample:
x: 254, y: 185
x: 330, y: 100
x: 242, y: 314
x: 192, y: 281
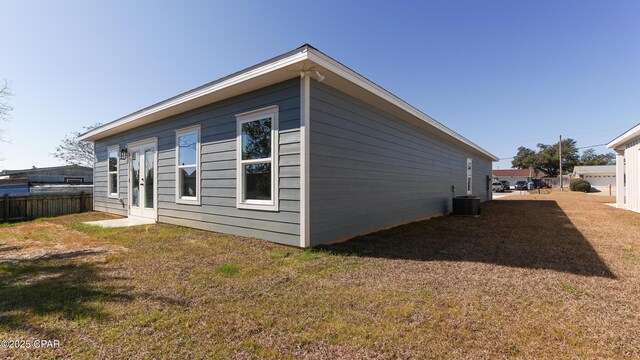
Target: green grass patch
x: 9, y: 272
x: 38, y: 235
x: 294, y: 257
x: 569, y: 287
x: 152, y: 319
x: 629, y: 254
x: 573, y: 289
x: 279, y: 256
x: 313, y: 262
x: 540, y: 191
x: 331, y: 266
x: 261, y: 351
x: 227, y: 269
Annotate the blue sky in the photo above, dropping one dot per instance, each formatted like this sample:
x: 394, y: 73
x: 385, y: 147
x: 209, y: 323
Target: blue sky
x: 501, y: 73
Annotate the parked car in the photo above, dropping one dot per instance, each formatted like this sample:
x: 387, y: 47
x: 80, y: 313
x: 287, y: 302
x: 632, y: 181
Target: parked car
x: 497, y: 186
x: 531, y: 185
x: 506, y: 184
x: 521, y: 185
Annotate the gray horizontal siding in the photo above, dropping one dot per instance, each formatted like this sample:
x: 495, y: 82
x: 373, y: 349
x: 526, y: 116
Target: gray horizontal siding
x: 371, y: 170
x: 218, y: 211
x: 101, y: 201
x: 481, y: 185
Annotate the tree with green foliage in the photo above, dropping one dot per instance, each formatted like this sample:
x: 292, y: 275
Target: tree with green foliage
x: 589, y: 157
x: 549, y: 159
x: 546, y: 157
x: 525, y: 158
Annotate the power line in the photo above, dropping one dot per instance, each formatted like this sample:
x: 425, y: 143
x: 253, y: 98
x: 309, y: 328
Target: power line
x: 593, y: 131
x: 591, y: 146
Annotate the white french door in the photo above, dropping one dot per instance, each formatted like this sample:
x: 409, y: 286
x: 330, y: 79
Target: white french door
x: 142, y: 179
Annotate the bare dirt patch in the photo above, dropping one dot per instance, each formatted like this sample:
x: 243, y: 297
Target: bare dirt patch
x: 43, y: 240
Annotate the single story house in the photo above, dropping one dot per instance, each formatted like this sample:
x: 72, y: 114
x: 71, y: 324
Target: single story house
x: 513, y: 175
x: 627, y: 148
x: 298, y: 150
x: 600, y: 176
x: 67, y: 179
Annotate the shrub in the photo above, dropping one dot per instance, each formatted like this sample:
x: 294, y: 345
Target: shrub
x: 582, y: 186
x: 574, y: 182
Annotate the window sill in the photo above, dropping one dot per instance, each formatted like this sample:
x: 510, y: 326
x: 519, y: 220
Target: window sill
x: 261, y: 207
x: 188, y: 201
x: 113, y: 196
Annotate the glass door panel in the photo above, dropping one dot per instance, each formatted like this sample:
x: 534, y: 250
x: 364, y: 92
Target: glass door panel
x: 143, y: 180
x: 135, y: 179
x: 149, y: 188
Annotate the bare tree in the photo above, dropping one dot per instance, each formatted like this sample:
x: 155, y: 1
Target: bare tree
x: 5, y: 108
x: 75, y: 152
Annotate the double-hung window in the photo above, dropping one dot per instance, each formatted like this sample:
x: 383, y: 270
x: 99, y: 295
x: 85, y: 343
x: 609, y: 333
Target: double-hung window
x: 257, y: 159
x: 112, y: 171
x: 469, y: 175
x: 188, y: 165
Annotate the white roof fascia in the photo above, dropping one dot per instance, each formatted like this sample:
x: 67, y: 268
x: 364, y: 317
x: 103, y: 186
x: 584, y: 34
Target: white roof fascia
x: 205, y: 90
x: 629, y: 135
x: 302, y: 54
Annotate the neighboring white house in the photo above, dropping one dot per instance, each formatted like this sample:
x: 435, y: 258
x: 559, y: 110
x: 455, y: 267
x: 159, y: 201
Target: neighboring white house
x: 600, y: 176
x: 627, y: 147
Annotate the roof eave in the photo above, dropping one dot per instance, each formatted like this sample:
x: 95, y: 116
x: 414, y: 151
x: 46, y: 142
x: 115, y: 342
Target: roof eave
x: 627, y: 136
x: 304, y: 54
x: 336, y: 67
x: 269, y: 66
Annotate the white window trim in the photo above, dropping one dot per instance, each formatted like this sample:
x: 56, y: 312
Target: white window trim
x: 190, y: 200
x: 469, y: 183
x: 115, y: 195
x: 266, y: 205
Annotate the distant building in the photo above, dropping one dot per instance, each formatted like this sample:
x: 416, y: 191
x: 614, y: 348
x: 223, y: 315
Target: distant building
x: 627, y: 148
x: 14, y: 187
x: 68, y: 174
x: 68, y: 179
x: 513, y: 175
x: 600, y: 176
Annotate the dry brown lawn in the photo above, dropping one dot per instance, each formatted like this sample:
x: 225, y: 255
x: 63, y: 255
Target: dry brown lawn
x: 537, y: 276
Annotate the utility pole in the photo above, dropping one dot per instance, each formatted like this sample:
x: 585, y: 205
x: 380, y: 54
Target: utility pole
x: 560, y: 152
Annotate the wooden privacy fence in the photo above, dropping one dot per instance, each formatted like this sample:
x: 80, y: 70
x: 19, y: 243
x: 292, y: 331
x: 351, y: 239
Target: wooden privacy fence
x: 30, y: 207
